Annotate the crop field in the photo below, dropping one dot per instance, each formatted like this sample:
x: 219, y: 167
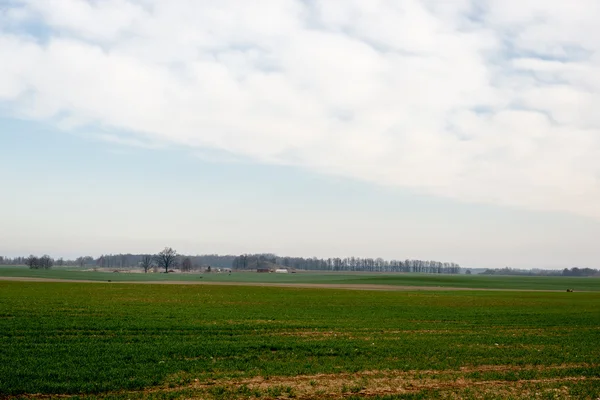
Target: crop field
x: 128, y: 341
x: 331, y: 278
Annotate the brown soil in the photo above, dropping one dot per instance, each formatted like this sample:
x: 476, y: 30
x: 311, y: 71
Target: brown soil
x: 377, y: 383
x: 449, y: 384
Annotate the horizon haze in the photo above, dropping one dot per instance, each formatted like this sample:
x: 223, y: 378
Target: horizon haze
x: 460, y: 131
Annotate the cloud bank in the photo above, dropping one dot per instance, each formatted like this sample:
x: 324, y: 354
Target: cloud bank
x: 482, y: 101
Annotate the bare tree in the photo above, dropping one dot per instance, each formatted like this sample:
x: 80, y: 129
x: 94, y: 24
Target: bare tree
x: 186, y: 265
x: 146, y: 262
x: 45, y: 262
x: 166, y: 259
x: 124, y: 260
x: 32, y: 262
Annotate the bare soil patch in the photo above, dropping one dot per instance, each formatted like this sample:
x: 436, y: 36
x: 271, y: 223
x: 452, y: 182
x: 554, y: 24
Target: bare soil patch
x: 447, y: 384
x: 377, y: 383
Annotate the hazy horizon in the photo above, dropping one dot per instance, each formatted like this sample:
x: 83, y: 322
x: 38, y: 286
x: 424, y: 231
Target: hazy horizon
x: 456, y: 131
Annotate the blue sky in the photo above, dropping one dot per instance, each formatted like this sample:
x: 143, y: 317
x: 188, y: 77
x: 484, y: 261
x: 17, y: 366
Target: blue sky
x: 302, y: 128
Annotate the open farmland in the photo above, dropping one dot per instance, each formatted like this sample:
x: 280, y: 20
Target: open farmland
x: 330, y: 278
x: 171, y: 341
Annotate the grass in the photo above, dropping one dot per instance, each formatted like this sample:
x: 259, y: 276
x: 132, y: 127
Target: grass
x: 188, y: 341
x: 458, y: 281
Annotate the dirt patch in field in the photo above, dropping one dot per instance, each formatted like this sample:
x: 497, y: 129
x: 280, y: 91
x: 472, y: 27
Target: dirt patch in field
x: 377, y: 383
x: 308, y: 333
x: 348, y: 286
x: 446, y: 384
x: 389, y: 334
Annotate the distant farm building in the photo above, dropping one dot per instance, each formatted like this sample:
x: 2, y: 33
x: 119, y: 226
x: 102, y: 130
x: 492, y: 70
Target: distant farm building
x: 281, y: 271
x: 263, y: 270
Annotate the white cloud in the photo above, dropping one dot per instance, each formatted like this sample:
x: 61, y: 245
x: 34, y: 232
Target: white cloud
x: 480, y: 101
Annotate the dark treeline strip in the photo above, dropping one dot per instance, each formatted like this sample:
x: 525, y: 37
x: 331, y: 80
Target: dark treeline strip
x: 134, y: 260
x: 271, y: 261
x: 43, y: 262
x: 543, y: 272
x: 348, y: 264
x: 120, y: 261
x: 251, y: 261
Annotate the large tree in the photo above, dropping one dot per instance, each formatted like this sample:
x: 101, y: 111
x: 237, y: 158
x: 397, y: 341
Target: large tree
x: 166, y: 259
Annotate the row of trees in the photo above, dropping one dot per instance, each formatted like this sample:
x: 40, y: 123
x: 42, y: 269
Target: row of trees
x: 43, y: 262
x: 543, y: 272
x: 80, y: 261
x: 251, y: 261
x: 168, y: 259
x: 124, y: 261
x: 580, y: 272
x: 135, y: 260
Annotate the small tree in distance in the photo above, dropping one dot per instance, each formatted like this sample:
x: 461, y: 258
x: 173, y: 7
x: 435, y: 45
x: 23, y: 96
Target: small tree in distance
x: 146, y: 262
x: 45, y: 261
x: 32, y: 262
x: 186, y: 265
x: 166, y: 259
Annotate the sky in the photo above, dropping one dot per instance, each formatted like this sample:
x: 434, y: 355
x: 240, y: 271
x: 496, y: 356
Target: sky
x: 450, y: 130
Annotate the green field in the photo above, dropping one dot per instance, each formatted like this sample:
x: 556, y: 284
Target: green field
x: 398, y: 279
x: 197, y: 341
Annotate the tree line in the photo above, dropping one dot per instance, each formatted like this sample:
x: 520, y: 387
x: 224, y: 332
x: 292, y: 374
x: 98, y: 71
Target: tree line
x: 189, y: 262
x: 124, y: 261
x: 168, y: 259
x: 580, y: 272
x: 348, y: 264
x: 575, y: 271
x: 43, y: 262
